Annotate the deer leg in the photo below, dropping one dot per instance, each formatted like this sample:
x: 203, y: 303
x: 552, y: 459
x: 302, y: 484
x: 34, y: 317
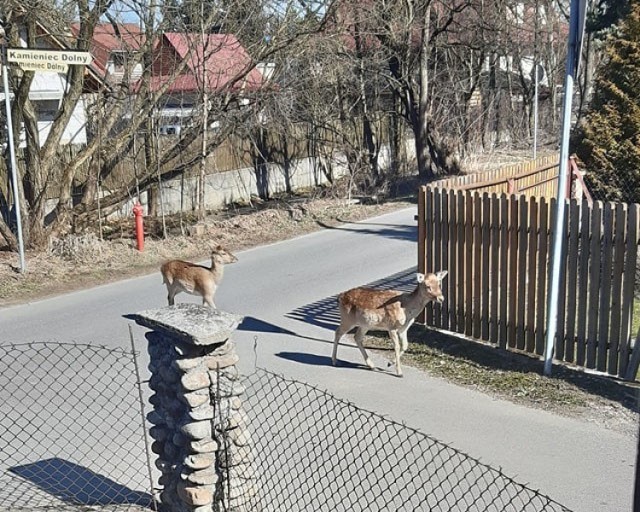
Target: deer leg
x: 403, y: 336
x: 359, y: 337
x: 340, y: 331
x: 396, y: 345
x: 403, y: 341
x: 207, y: 301
x: 171, y: 297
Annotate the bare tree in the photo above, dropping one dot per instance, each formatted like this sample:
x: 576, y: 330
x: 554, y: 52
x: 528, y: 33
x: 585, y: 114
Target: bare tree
x: 119, y: 112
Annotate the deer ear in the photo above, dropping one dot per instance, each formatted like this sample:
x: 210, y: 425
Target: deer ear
x: 420, y: 277
x: 442, y: 274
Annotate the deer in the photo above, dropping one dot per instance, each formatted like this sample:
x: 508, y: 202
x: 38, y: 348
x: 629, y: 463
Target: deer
x: 388, y: 310
x: 183, y: 276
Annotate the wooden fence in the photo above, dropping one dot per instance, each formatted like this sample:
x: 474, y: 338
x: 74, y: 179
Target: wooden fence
x: 535, y: 178
x: 496, y: 249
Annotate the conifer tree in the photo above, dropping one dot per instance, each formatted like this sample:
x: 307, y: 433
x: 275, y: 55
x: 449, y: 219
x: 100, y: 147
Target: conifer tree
x: 608, y: 141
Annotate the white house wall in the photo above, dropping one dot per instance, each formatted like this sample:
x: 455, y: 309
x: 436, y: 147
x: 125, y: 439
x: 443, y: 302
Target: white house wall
x: 74, y: 133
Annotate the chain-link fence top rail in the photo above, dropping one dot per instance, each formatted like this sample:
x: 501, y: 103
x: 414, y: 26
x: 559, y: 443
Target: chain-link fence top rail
x: 70, y: 428
x: 316, y: 452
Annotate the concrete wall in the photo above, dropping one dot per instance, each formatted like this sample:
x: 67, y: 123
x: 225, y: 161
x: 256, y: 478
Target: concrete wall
x: 242, y: 184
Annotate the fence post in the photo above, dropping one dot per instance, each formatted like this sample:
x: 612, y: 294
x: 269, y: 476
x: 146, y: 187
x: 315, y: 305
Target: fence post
x: 202, y: 439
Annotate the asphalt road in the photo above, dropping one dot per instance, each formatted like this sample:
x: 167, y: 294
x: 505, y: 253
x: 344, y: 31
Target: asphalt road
x: 285, y: 291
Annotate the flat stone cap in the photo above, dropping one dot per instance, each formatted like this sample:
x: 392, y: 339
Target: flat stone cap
x: 190, y: 323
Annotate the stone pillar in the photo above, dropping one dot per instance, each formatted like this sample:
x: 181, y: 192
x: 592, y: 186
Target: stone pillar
x: 201, y: 437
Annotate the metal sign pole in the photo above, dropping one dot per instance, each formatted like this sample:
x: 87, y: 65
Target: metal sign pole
x: 12, y: 151
x: 576, y: 30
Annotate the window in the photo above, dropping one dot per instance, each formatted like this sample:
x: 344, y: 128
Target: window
x: 119, y: 60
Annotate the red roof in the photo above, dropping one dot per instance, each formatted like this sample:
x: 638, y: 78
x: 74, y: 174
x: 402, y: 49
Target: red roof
x: 221, y: 56
x: 108, y: 38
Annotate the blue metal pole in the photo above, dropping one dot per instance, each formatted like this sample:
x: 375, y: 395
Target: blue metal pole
x: 576, y: 29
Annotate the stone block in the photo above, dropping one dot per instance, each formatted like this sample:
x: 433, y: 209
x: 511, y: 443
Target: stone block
x: 200, y: 460
x: 195, y: 495
x: 196, y: 398
x: 190, y: 323
x: 221, y: 362
x: 224, y: 387
x: 197, y: 429
x: 201, y: 477
x: 203, y: 446
x: 198, y: 378
x: 203, y: 412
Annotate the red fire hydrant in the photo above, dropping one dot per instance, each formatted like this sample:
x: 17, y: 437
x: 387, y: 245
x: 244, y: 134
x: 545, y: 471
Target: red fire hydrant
x: 137, y: 211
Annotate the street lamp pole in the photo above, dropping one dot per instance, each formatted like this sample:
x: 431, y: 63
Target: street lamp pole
x: 12, y: 151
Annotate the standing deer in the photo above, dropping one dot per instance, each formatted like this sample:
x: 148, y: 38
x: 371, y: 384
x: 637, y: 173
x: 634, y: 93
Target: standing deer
x: 389, y: 310
x: 182, y: 276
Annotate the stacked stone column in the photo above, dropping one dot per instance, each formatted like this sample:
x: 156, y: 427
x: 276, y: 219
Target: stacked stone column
x: 200, y: 431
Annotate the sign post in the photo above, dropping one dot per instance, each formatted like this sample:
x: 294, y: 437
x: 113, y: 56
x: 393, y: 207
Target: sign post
x: 42, y: 61
x: 12, y: 151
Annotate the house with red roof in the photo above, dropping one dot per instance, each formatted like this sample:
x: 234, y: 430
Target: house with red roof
x: 114, y: 46
x: 184, y: 67
x: 189, y: 65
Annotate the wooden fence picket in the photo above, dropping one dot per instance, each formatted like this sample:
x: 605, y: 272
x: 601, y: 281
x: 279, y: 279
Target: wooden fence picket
x: 541, y: 301
x: 453, y: 260
x: 628, y: 284
x: 495, y: 268
x: 504, y: 274
x: 468, y: 266
x: 583, y: 284
x: 604, y: 308
x: 572, y: 280
x: 523, y: 239
x: 616, y: 287
x: 594, y: 285
x: 477, y: 264
x: 532, y: 276
x: 486, y: 269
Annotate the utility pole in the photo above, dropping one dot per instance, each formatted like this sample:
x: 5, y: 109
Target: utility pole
x: 576, y: 30
x: 12, y: 151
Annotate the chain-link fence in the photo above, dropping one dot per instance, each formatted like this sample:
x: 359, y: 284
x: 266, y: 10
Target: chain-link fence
x: 71, y: 429
x: 316, y: 452
x: 72, y: 438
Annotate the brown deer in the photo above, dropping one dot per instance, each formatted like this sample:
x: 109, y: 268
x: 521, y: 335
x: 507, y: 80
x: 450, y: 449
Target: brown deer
x: 389, y: 310
x: 182, y: 276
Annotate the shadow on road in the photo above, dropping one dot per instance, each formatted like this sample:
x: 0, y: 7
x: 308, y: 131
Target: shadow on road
x: 392, y: 231
x: 252, y: 324
x: 76, y: 484
x: 317, y: 360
